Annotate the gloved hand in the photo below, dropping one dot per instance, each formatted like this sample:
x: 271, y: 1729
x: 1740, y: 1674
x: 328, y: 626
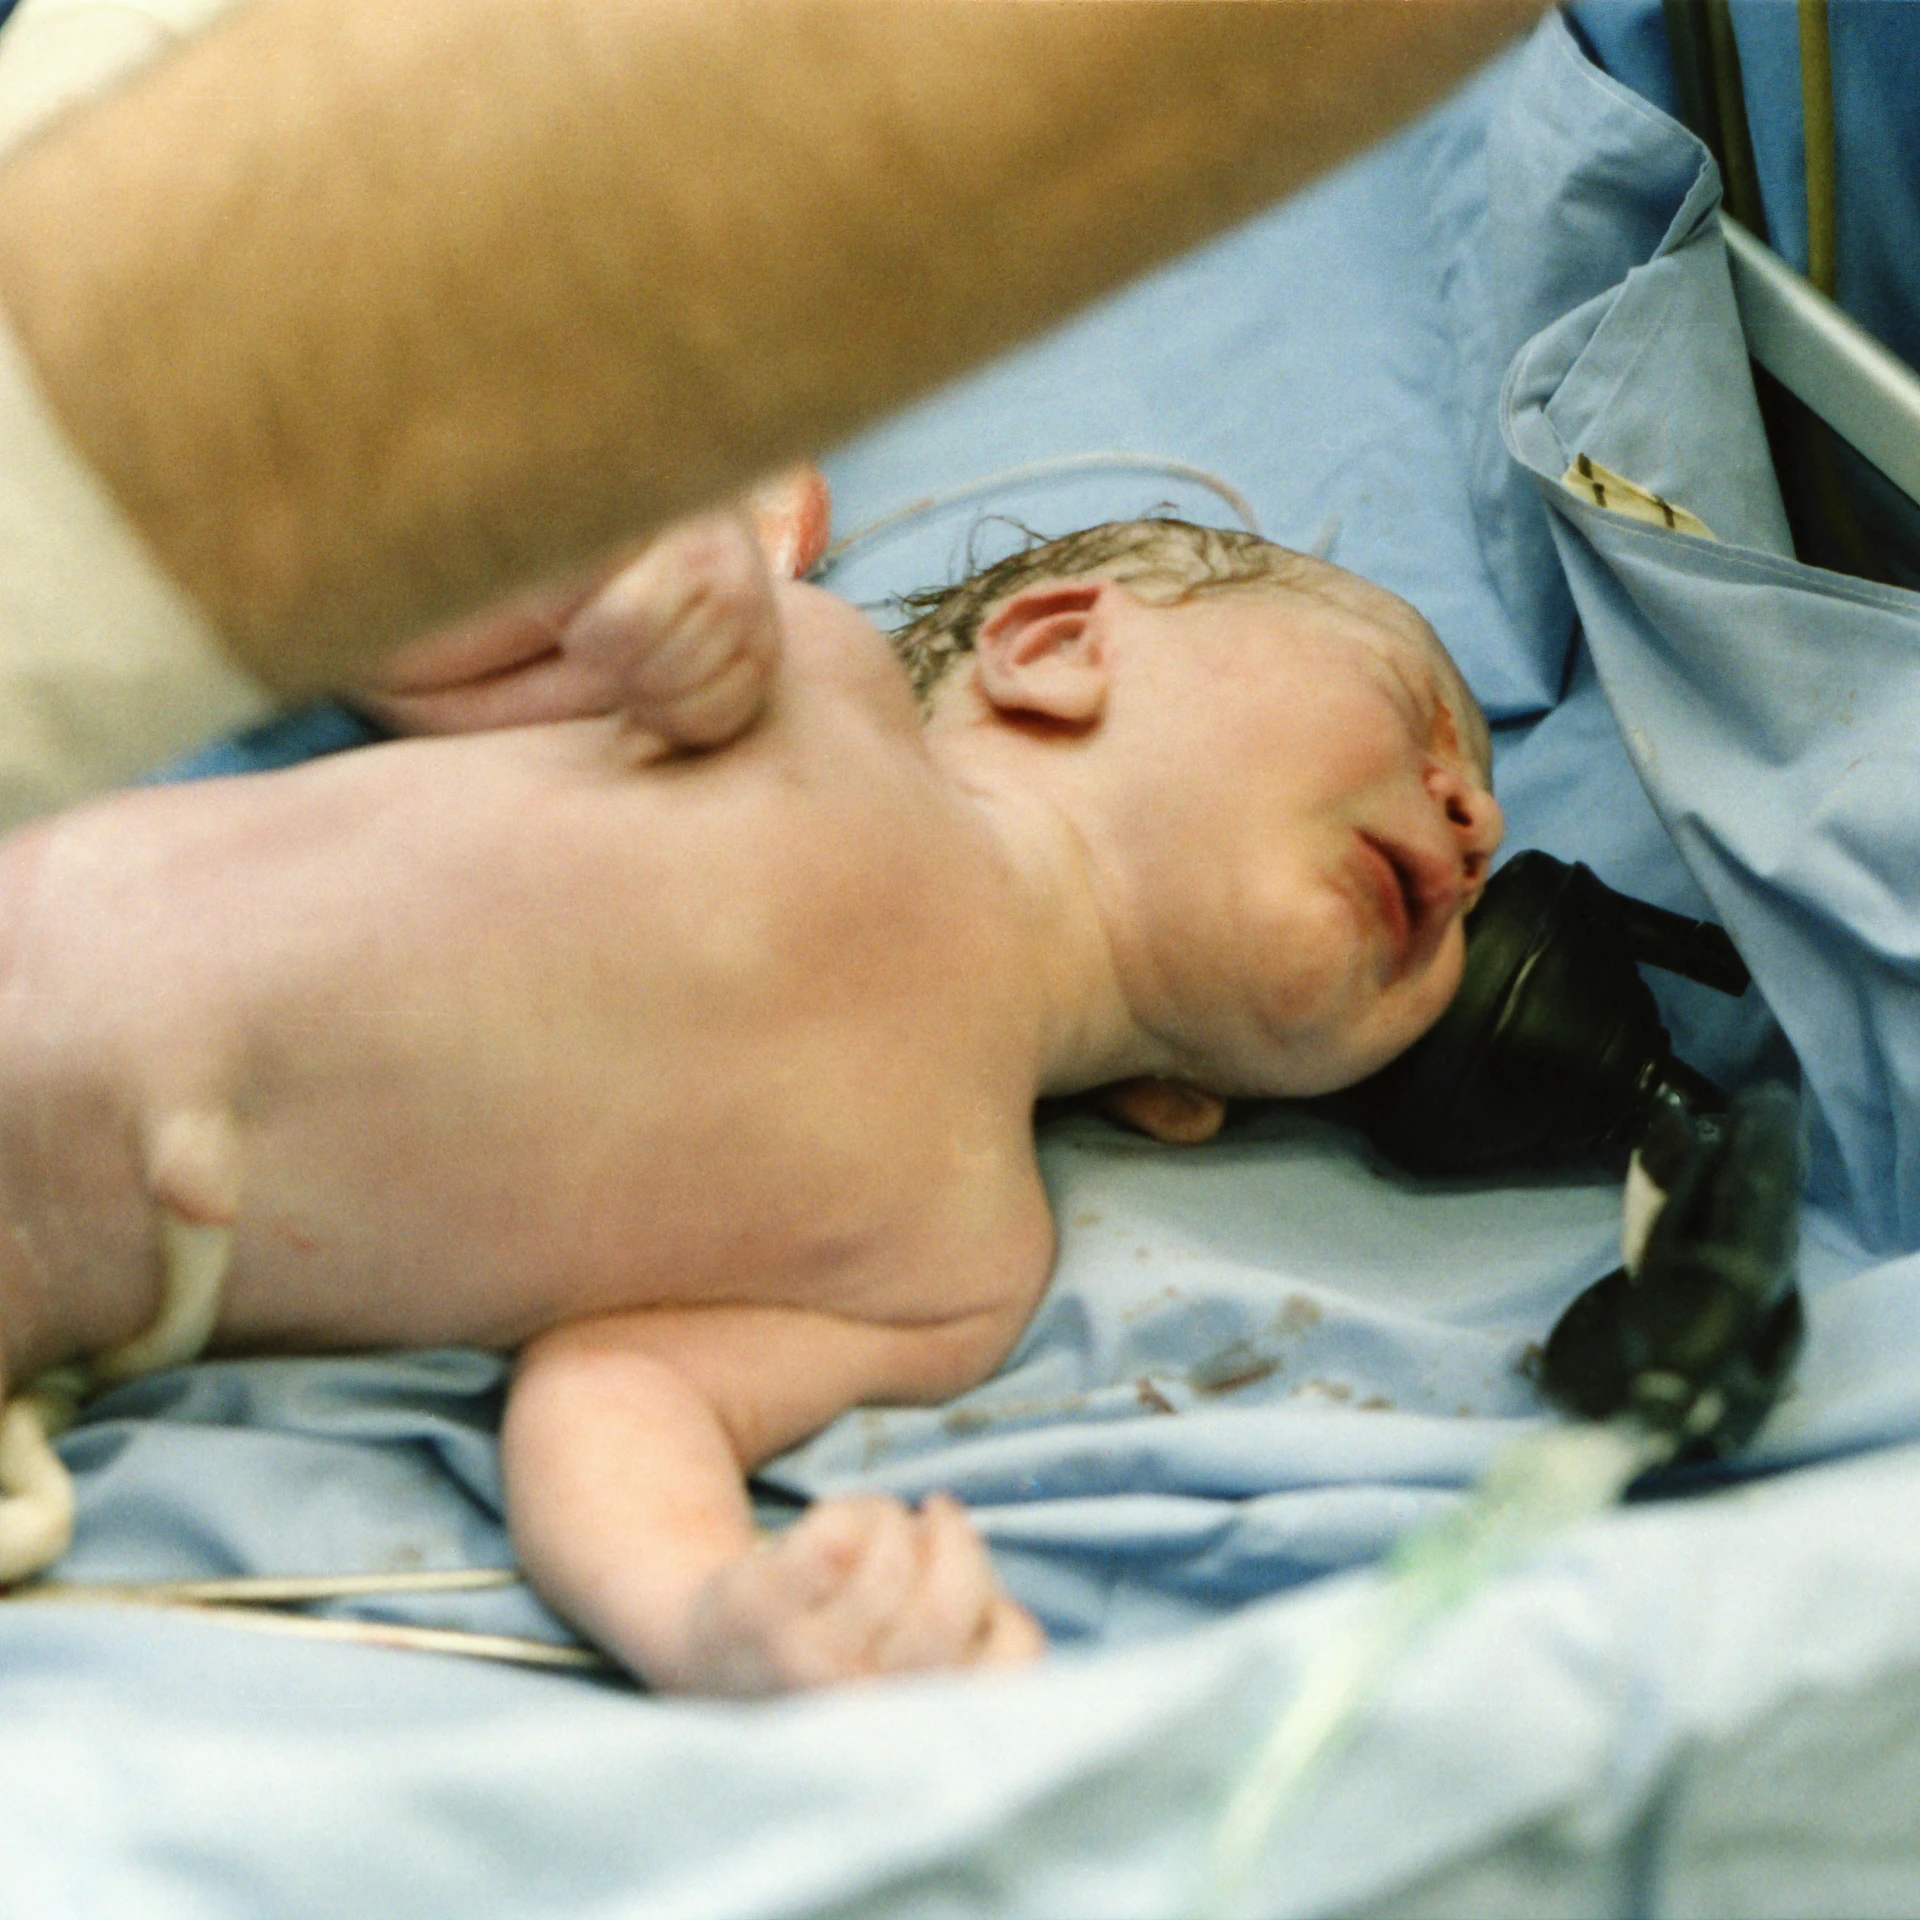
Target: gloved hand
x: 1696, y: 1336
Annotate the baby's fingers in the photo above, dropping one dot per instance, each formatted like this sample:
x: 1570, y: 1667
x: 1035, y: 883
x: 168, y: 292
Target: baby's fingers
x: 1013, y: 1636
x: 1002, y: 1632
x: 957, y: 1616
x: 689, y: 633
x: 856, y: 1587
x: 863, y: 1557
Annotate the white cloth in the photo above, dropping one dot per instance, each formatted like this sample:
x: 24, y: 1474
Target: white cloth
x: 55, y: 52
x: 107, y: 667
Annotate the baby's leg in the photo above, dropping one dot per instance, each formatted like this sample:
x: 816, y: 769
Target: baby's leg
x: 193, y: 1175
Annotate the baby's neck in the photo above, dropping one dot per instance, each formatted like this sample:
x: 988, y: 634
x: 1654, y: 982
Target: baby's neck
x: 1057, y: 951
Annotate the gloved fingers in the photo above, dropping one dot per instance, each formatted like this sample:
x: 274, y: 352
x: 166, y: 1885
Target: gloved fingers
x: 543, y: 687
x: 677, y: 632
x: 501, y: 667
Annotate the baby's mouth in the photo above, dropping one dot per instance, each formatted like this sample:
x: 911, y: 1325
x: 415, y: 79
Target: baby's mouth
x: 1415, y: 894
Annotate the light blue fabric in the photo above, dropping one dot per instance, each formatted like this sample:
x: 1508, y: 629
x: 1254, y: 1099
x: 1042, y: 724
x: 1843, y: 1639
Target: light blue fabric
x: 280, y: 742
x: 1736, y: 671
x: 1651, y: 1719
x: 1261, y: 1360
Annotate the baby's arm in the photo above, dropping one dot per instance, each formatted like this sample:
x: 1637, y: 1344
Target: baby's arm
x: 625, y: 1450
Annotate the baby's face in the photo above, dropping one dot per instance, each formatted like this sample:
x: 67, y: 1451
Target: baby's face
x: 1309, y: 822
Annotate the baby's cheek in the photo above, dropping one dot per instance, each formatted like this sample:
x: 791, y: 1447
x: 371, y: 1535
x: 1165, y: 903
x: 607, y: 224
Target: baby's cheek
x: 1312, y: 1006
x: 1312, y: 965
x: 1405, y: 1012
x: 1318, y: 1008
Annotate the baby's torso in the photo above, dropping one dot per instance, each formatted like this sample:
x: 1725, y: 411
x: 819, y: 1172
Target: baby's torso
x: 511, y: 1033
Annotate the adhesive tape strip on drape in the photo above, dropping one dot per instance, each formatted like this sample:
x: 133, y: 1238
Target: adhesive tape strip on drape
x: 1617, y: 494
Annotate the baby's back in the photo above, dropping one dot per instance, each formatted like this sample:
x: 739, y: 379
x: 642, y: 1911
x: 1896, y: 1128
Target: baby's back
x: 511, y: 1030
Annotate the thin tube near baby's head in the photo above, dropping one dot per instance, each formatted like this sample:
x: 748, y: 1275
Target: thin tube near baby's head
x: 1166, y: 562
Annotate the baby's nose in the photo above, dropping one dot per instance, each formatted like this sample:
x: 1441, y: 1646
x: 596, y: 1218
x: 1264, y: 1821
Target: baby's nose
x: 1473, y: 816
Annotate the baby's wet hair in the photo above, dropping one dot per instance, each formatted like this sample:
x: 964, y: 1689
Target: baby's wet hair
x: 1176, y: 556
x: 1166, y: 561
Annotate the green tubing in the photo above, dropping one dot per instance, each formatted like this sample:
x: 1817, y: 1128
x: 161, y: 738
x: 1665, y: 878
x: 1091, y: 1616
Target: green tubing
x: 1816, y: 109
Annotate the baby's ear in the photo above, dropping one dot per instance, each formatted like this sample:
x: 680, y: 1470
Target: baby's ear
x: 1168, y: 1110
x: 1044, y: 653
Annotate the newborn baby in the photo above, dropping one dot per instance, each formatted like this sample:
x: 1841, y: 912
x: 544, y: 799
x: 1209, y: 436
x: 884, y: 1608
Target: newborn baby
x: 705, y: 1083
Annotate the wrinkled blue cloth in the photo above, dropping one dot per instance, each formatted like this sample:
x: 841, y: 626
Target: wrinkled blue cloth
x: 1262, y: 1360
x: 1736, y: 671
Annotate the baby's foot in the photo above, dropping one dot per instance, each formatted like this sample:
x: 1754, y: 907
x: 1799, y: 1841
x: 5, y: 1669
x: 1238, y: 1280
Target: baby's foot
x: 856, y: 1587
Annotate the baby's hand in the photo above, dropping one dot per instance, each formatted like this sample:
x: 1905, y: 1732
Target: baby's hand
x: 687, y: 638
x: 856, y: 1587
x: 679, y: 634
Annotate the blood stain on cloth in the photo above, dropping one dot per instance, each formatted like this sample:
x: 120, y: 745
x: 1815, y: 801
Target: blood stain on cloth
x: 1238, y: 1364
x: 1151, y: 1397
x: 1298, y: 1313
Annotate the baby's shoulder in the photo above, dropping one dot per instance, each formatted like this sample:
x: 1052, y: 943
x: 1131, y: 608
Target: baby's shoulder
x: 975, y: 1234
x: 851, y: 662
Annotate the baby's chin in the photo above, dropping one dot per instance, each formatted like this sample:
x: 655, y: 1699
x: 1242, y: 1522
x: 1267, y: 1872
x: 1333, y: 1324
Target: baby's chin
x: 1370, y: 1027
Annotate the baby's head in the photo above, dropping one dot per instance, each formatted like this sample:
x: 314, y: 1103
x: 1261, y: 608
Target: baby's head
x: 1278, y: 775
